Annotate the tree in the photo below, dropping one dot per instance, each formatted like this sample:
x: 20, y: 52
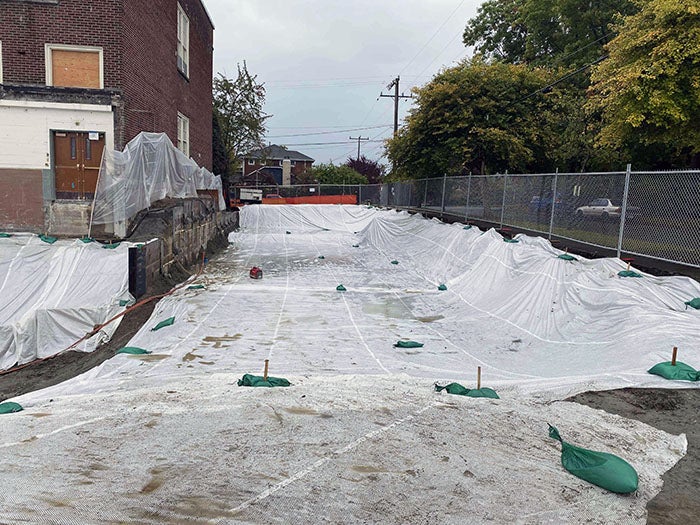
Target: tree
x: 331, y: 174
x: 238, y: 112
x: 478, y: 117
x: 552, y: 33
x: 648, y: 91
x: 371, y: 169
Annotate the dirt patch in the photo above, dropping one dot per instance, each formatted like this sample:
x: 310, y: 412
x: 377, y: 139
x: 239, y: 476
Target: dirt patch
x: 42, y: 374
x: 676, y: 412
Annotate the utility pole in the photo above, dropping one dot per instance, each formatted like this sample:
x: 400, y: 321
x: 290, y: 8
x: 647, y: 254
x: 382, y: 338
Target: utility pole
x: 358, y: 139
x: 395, y: 84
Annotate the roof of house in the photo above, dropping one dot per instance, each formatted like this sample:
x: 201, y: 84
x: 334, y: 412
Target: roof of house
x: 275, y: 152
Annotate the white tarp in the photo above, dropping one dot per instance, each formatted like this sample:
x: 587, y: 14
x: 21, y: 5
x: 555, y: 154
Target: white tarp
x: 150, y: 168
x: 361, y: 436
x: 51, y: 295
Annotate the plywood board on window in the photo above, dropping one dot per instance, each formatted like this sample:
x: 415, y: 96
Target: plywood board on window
x: 75, y: 68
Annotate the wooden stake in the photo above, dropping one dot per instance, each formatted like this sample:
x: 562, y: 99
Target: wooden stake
x: 478, y: 378
x: 673, y: 358
x: 628, y: 266
x: 267, y: 362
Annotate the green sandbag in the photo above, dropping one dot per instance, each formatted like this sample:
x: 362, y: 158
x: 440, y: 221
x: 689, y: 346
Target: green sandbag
x: 628, y: 273
x: 693, y: 303
x: 355, y: 245
x: 459, y: 390
x: 567, y: 257
x: 251, y: 380
x: 467, y: 227
x: 679, y: 371
x: 442, y: 287
x: 321, y: 257
x: 5, y: 235
x: 394, y: 262
x: 132, y: 350
x: 111, y: 246
x: 169, y: 321
x: 48, y: 239
x: 9, y: 407
x: 341, y: 288
x: 196, y: 287
x: 600, y: 468
x: 87, y: 239
x: 124, y: 302
x: 408, y: 344
x: 288, y: 232
x: 510, y: 240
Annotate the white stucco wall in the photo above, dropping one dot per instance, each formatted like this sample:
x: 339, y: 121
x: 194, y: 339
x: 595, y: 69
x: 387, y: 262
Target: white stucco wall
x: 25, y: 129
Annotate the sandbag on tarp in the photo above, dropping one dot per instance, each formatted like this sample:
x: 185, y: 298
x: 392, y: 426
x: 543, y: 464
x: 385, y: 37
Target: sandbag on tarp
x: 87, y: 239
x: 321, y: 257
x: 132, y: 350
x: 251, y: 380
x: 678, y: 372
x: 600, y: 468
x: 459, y: 390
x: 693, y: 303
x: 567, y: 257
x: 48, y: 239
x: 10, y: 407
x: 111, y: 246
x: 5, y: 235
x: 408, y: 344
x: 196, y: 287
x: 628, y: 273
x: 505, y: 239
x: 442, y: 287
x: 467, y: 227
x: 167, y: 322
x: 341, y: 288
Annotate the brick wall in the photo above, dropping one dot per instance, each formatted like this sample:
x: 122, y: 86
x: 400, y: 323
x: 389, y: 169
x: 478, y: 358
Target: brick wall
x: 26, y: 26
x: 154, y: 89
x: 21, y: 200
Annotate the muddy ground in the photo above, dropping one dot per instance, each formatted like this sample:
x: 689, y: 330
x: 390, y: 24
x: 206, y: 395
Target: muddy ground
x: 675, y: 411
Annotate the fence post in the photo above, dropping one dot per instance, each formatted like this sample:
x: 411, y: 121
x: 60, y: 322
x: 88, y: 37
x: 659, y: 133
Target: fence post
x: 503, y: 203
x: 425, y: 194
x: 469, y: 189
x: 554, y: 202
x: 319, y: 189
x: 442, y: 206
x: 359, y: 194
x: 624, y: 209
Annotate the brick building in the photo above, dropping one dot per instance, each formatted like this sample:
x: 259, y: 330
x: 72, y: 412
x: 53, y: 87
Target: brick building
x: 274, y: 164
x: 77, y: 77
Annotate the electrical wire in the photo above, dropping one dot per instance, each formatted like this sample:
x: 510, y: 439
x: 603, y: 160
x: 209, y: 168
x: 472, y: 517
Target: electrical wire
x: 325, y: 132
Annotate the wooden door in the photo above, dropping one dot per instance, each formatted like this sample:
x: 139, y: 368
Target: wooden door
x: 77, y: 157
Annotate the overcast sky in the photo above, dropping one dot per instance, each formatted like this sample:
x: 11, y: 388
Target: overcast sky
x: 325, y: 62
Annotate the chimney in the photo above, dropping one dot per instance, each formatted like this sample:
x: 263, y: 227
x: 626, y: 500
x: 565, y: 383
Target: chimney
x: 286, y: 172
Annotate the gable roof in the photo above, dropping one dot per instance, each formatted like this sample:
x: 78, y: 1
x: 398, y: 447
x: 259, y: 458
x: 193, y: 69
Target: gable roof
x: 275, y: 152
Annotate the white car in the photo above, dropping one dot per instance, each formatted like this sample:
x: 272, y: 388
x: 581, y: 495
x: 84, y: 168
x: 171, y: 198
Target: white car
x: 603, y: 209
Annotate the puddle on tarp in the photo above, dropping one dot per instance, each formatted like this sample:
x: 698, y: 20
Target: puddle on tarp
x: 388, y: 308
x: 430, y: 318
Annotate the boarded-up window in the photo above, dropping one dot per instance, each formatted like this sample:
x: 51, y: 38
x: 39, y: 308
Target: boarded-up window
x: 75, y: 68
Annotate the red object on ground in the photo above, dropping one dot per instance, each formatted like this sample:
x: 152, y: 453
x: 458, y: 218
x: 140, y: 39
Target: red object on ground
x: 256, y: 273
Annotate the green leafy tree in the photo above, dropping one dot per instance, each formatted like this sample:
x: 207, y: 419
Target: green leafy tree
x: 647, y: 92
x: 480, y: 118
x: 239, y: 114
x: 552, y: 33
x: 331, y: 174
x: 371, y: 169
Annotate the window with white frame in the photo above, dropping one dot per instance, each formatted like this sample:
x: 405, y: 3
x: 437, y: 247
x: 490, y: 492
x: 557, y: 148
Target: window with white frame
x: 251, y: 162
x: 183, y: 133
x: 183, y: 41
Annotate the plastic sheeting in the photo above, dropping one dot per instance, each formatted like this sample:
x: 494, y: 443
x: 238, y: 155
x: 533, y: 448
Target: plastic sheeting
x: 150, y: 168
x: 361, y: 435
x: 51, y: 295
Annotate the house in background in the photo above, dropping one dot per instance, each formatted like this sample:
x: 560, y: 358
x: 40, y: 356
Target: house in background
x: 274, y: 165
x: 77, y: 77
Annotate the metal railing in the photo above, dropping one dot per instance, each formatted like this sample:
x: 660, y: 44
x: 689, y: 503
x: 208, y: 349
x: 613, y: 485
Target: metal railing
x: 652, y: 214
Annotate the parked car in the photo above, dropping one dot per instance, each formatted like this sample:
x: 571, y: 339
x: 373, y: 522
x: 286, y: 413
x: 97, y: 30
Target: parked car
x: 605, y: 209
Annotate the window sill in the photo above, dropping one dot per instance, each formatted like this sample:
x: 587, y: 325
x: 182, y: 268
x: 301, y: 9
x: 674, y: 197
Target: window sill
x: 183, y: 75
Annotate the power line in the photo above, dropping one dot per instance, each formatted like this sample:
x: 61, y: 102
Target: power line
x: 326, y: 132
x: 432, y: 37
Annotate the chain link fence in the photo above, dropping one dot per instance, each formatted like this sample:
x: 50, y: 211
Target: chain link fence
x: 652, y: 214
